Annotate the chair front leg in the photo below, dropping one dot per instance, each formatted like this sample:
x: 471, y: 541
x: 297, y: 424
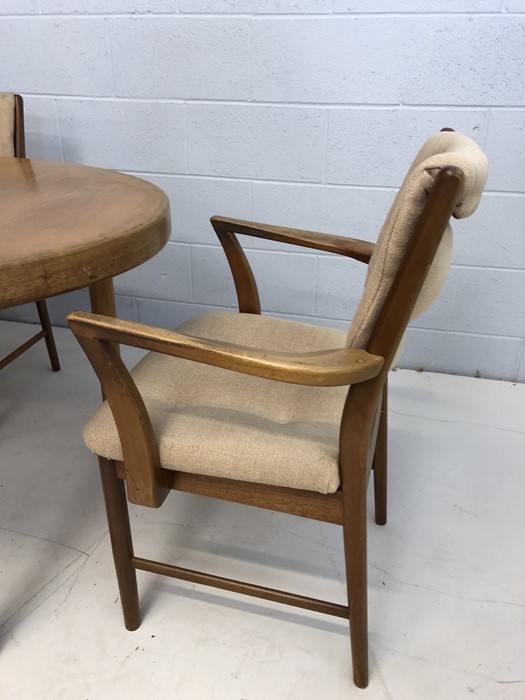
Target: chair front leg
x: 354, y: 534
x: 121, y: 542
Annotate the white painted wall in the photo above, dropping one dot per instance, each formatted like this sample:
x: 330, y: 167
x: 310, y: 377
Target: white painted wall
x: 296, y: 112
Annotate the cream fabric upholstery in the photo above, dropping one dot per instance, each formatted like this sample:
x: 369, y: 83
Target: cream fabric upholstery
x: 7, y: 124
x: 221, y: 423
x: 445, y: 148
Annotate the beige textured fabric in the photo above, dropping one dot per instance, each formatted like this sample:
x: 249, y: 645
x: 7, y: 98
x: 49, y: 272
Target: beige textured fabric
x: 445, y: 148
x: 7, y: 124
x: 221, y: 423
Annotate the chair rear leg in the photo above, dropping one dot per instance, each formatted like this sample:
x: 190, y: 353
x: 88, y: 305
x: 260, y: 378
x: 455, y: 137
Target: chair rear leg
x: 380, y: 463
x: 121, y: 542
x: 49, y: 337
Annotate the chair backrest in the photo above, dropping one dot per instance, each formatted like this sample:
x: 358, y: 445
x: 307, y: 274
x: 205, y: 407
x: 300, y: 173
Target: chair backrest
x: 447, y: 148
x: 12, y: 141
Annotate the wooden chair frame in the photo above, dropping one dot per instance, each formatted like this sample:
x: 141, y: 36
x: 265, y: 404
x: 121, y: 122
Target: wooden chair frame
x: 46, y: 333
x: 363, y: 432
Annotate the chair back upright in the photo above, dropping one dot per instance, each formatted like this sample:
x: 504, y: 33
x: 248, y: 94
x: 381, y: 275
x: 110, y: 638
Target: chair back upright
x: 446, y: 148
x: 12, y: 142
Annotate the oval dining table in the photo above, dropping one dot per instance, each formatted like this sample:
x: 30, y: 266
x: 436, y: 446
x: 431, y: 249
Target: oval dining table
x: 65, y: 226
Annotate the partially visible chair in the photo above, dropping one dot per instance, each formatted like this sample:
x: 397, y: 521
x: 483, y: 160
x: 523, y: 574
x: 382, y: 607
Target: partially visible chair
x: 12, y: 144
x: 270, y: 412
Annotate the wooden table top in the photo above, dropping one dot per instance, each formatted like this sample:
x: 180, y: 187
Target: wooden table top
x: 66, y: 226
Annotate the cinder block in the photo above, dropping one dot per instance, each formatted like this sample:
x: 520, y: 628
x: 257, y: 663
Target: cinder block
x: 194, y: 200
x: 356, y: 213
x: 124, y: 135
x: 65, y: 56
x: 506, y: 150
x: 343, y: 60
x: 280, y: 143
x: 489, y: 301
x: 439, y: 316
x: 286, y: 282
x: 493, y: 235
x: 340, y: 286
x: 458, y: 353
x: 59, y: 307
x: 255, y: 6
x: 25, y: 313
x: 520, y: 375
x: 441, y: 6
x: 19, y: 7
x: 165, y: 276
x: 458, y: 60
x: 212, y: 281
x: 181, y: 57
x: 108, y: 6
x: 41, y: 128
x: 377, y: 146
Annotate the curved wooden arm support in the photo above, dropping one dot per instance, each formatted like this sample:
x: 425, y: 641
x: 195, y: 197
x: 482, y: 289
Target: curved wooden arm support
x: 144, y: 477
x: 243, y: 277
x: 334, y: 367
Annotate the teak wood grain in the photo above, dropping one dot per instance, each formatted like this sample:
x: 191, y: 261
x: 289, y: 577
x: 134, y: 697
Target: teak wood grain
x: 335, y: 367
x: 66, y: 226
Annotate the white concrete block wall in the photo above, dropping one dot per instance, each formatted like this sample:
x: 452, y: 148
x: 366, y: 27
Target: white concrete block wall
x: 296, y: 112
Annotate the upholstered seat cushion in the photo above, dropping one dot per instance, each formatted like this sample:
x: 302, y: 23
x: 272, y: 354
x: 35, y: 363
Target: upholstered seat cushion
x: 222, y: 423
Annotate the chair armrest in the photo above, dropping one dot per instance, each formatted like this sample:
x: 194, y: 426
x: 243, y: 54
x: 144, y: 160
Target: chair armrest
x: 245, y: 285
x: 334, y: 367
x: 349, y: 247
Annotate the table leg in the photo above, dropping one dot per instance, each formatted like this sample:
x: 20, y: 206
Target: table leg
x: 102, y: 297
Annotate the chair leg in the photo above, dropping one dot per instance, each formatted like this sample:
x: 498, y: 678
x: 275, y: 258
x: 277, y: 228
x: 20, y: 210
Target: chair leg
x: 49, y: 337
x: 354, y: 532
x: 121, y: 542
x: 380, y: 463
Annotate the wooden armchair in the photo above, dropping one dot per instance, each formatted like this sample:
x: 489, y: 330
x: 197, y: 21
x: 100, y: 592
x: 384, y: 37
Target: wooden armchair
x: 269, y: 412
x: 12, y: 143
